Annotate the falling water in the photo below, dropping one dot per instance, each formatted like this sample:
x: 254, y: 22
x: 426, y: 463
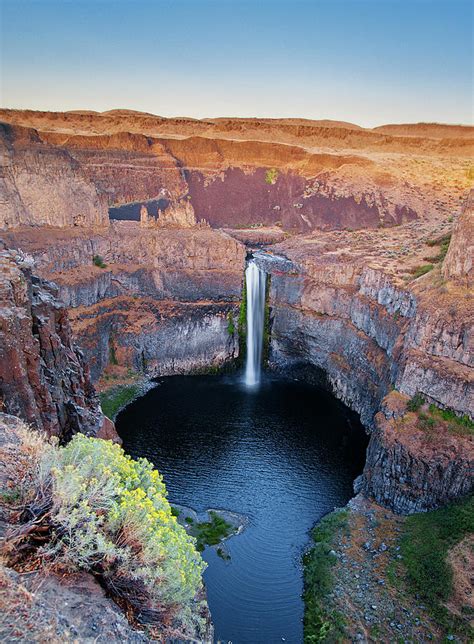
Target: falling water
x: 255, y: 284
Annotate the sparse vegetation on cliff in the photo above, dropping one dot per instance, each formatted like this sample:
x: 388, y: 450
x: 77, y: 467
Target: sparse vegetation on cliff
x: 115, y: 399
x: 230, y: 324
x: 426, y: 540
x: 266, y: 322
x: 242, y: 325
x: 320, y: 623
x: 431, y: 416
x: 99, y: 262
x: 89, y: 506
x: 271, y: 176
x: 443, y: 243
x: 422, y: 270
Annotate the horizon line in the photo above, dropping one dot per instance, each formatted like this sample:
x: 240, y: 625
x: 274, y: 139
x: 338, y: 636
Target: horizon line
x: 243, y: 118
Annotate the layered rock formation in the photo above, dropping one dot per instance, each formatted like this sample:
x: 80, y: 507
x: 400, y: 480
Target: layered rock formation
x: 411, y: 468
x: 42, y: 184
x: 350, y: 306
x: 43, y: 376
x: 322, y: 174
x: 160, y: 304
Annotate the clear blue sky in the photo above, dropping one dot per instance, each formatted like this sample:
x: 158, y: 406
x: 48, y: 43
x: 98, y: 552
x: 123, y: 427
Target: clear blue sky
x: 365, y: 61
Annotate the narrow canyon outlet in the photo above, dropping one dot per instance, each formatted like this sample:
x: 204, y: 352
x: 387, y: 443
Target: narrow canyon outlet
x: 236, y: 354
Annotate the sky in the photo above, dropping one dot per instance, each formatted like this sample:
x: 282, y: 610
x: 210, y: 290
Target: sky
x: 365, y: 61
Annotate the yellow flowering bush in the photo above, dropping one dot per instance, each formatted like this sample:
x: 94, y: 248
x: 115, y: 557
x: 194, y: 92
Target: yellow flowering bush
x: 110, y: 515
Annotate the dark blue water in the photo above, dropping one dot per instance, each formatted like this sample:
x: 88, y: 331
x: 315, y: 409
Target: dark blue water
x: 283, y: 455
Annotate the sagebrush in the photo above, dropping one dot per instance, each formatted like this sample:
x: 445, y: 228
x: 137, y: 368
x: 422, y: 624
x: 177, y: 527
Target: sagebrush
x: 90, y: 506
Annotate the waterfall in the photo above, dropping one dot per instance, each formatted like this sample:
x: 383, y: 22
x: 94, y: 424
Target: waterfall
x: 255, y: 286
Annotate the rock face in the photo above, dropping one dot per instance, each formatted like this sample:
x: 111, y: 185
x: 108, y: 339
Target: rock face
x: 323, y: 175
x: 43, y: 377
x: 411, y: 470
x: 459, y: 262
x: 41, y: 184
x: 346, y: 310
x: 161, y: 304
x: 366, y: 330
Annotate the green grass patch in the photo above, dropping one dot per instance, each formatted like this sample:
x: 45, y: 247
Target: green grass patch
x: 422, y: 270
x: 431, y: 416
x: 98, y: 261
x: 424, y: 545
x: 456, y: 424
x: 415, y: 402
x: 210, y: 533
x: 113, y: 400
x: 320, y: 623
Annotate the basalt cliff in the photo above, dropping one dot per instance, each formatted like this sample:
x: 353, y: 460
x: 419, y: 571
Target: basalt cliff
x: 143, y: 224
x: 124, y: 240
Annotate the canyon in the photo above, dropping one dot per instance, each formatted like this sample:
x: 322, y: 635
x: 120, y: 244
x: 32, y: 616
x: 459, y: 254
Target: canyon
x: 161, y: 295
x: 366, y: 234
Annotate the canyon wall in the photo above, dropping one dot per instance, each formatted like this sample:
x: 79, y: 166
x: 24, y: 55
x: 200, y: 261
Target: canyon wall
x: 343, y: 306
x: 43, y: 376
x: 236, y: 173
x: 414, y: 465
x: 42, y: 184
x: 158, y: 301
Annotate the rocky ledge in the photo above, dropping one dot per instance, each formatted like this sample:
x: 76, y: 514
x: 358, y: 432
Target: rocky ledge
x: 43, y: 376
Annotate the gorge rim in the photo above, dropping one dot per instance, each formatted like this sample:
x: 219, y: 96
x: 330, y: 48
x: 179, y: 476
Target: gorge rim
x: 236, y: 352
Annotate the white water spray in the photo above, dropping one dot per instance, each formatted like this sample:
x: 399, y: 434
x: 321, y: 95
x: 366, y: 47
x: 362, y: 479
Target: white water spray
x: 255, y: 285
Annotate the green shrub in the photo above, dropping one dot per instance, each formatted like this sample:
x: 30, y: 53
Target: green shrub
x: 210, y: 533
x: 108, y: 514
x: 98, y: 261
x: 111, y: 508
x: 415, y: 402
x: 271, y: 176
x: 422, y: 270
